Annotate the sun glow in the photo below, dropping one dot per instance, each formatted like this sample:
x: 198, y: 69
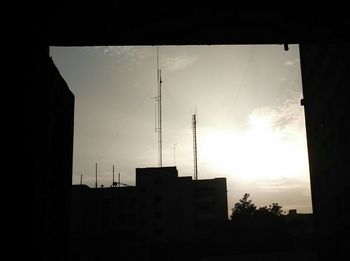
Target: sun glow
x: 263, y: 152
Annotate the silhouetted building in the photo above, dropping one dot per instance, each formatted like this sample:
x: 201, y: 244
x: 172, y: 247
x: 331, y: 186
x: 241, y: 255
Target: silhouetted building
x: 325, y: 72
x: 103, y: 221
x: 51, y: 179
x: 161, y: 211
x: 301, y: 229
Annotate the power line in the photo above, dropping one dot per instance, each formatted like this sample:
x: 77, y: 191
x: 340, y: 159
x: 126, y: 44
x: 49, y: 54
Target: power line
x: 243, y: 79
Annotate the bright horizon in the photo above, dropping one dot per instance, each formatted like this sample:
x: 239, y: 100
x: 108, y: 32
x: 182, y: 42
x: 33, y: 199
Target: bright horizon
x: 251, y: 127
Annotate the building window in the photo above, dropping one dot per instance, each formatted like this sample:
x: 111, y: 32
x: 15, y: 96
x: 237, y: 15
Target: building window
x: 158, y: 232
x: 132, y: 219
x: 121, y: 219
x: 143, y: 222
x: 158, y: 181
x: 205, y: 192
x: 143, y: 238
x: 121, y: 203
x: 143, y: 204
x: 106, y: 204
x: 158, y: 215
x: 204, y: 207
x: 132, y: 251
x: 132, y: 202
x: 158, y: 199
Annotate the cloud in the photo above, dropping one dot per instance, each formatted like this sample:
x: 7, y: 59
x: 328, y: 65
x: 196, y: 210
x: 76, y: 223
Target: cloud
x: 288, y: 63
x: 291, y: 62
x: 281, y: 185
x: 274, y: 142
x: 177, y: 62
x: 287, y: 114
x: 113, y: 51
x: 122, y: 54
x: 135, y: 54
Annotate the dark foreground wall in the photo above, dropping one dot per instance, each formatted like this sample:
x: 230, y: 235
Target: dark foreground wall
x: 51, y: 116
x: 325, y: 76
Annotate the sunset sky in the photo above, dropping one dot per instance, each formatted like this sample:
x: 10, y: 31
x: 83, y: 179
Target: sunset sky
x: 250, y: 128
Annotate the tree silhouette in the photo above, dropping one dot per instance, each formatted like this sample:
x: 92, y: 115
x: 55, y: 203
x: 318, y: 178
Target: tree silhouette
x: 275, y: 209
x: 260, y: 228
x: 245, y: 208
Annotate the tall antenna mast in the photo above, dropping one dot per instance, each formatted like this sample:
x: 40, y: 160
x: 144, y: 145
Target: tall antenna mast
x: 159, y: 99
x: 194, y: 127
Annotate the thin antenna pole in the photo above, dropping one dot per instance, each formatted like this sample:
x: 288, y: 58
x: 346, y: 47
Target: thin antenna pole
x: 194, y: 126
x: 81, y: 179
x: 96, y: 175
x: 159, y: 81
x: 113, y: 176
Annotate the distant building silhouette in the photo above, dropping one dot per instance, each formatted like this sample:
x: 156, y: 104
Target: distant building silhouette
x: 163, y: 209
x: 301, y: 228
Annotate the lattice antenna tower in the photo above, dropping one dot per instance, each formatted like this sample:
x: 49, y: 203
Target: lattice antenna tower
x: 159, y: 100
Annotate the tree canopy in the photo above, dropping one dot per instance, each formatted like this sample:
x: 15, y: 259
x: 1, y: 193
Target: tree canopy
x: 245, y: 208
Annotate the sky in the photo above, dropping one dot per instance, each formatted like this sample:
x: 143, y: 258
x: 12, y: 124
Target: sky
x: 250, y: 124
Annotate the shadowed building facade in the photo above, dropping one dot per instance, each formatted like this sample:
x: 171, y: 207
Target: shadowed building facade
x: 149, y: 219
x: 52, y: 145
x: 325, y: 71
